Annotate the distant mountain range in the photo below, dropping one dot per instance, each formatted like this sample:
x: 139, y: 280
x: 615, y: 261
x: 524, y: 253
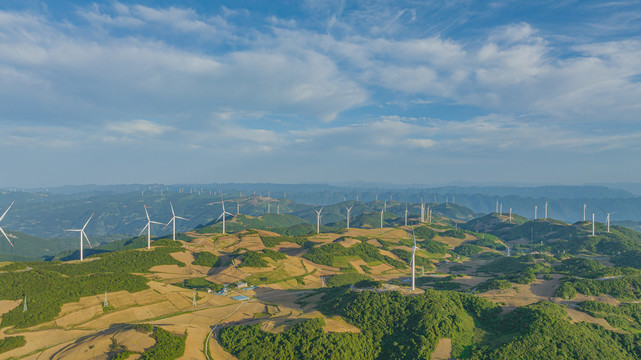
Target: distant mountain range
x: 119, y: 211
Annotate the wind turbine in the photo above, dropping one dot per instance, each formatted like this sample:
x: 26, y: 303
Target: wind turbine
x: 223, y: 214
x: 82, y: 234
x: 584, y: 206
x: 148, y: 228
x: 510, y: 214
x: 546, y: 209
x: 318, y: 217
x: 414, y: 248
x: 592, y: 224
x: 422, y: 211
x: 608, y: 220
x: 237, y: 208
x: 173, y: 220
x: 382, y: 218
x: 535, y: 210
x: 405, y: 214
x: 5, y: 234
x: 348, y: 210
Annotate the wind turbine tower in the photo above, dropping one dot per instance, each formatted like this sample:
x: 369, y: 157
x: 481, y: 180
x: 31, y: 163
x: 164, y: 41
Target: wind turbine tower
x: 422, y: 211
x: 546, y: 210
x: 608, y: 221
x: 510, y: 214
x: 501, y: 209
x: 348, y: 210
x: 83, y: 234
x: 318, y: 218
x: 5, y: 234
x: 223, y: 214
x: 536, y: 208
x: 382, y: 218
x: 405, y: 214
x: 148, y: 228
x: 584, y: 206
x: 173, y: 220
x: 414, y: 248
x: 592, y: 224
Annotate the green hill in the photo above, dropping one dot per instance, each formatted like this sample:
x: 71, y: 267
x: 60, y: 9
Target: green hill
x: 25, y: 245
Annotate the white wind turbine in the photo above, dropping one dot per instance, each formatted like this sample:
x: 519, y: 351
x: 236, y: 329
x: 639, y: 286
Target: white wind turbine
x: 173, y: 220
x: 546, y: 209
x: 348, y: 210
x: 422, y: 211
x: 148, y: 228
x: 382, y: 218
x: 414, y: 248
x: 1, y: 230
x: 223, y: 214
x: 318, y: 217
x: 406, y: 214
x: 584, y: 206
x: 608, y: 221
x: 83, y: 234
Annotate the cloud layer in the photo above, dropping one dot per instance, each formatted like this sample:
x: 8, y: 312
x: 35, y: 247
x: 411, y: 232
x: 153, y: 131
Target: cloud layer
x: 273, y: 89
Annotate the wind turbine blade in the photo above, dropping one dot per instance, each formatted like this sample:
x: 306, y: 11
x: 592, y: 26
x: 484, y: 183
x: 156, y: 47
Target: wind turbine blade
x: 146, y: 212
x: 156, y: 222
x: 86, y: 238
x: 83, y: 228
x: 172, y: 209
x: 6, y: 237
x: 228, y: 213
x: 5, y: 212
x: 181, y: 218
x: 172, y: 219
x: 221, y: 215
x: 143, y: 229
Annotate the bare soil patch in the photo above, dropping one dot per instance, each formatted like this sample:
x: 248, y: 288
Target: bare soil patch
x: 443, y: 350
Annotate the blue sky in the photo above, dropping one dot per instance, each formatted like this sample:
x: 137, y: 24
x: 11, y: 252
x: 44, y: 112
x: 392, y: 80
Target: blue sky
x: 426, y: 92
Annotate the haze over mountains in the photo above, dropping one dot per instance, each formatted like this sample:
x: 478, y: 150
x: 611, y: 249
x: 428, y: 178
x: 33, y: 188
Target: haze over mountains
x: 42, y: 216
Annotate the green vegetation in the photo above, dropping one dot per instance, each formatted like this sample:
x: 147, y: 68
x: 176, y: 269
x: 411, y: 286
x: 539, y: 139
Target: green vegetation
x: 11, y: 342
x: 306, y: 340
x: 489, y: 243
x: 623, y: 288
x: 403, y: 327
x: 271, y: 241
x: 407, y: 257
x: 580, y: 266
x: 625, y: 316
x: 205, y: 258
x: 328, y: 254
x: 253, y: 259
x: 129, y: 261
x: 521, y: 270
x: 257, y: 259
x: 467, y: 250
x: 47, y: 290
x: 542, y: 331
x: 494, y: 284
x: 425, y: 233
x: 168, y: 346
x: 346, y: 279
x: 274, y: 255
x: 455, y: 233
x: 14, y: 266
x: 435, y: 247
x: 201, y: 283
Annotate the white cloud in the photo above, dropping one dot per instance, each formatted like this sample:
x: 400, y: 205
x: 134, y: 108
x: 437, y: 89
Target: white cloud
x: 139, y: 128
